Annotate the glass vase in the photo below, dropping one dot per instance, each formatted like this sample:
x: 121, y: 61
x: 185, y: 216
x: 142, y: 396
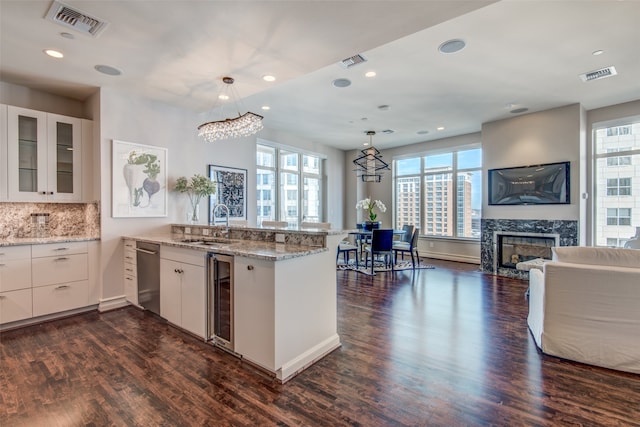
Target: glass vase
x: 193, y: 212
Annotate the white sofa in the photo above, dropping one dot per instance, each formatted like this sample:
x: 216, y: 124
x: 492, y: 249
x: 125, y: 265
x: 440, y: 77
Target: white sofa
x: 585, y: 306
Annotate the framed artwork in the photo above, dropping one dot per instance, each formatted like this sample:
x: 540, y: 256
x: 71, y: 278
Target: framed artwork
x: 138, y: 180
x: 231, y: 190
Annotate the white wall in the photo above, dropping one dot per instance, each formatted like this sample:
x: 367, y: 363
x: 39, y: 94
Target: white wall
x: 545, y: 137
x: 21, y: 96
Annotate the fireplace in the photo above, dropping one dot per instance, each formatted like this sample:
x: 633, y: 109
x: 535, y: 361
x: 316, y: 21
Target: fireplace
x: 562, y: 232
x: 513, y: 247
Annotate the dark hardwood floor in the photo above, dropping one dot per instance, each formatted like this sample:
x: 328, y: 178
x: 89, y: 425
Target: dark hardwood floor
x: 441, y: 347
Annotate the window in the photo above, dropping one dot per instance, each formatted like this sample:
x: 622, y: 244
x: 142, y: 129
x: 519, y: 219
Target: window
x: 443, y: 192
x: 616, y: 179
x: 299, y: 183
x: 619, y: 216
x: 619, y: 187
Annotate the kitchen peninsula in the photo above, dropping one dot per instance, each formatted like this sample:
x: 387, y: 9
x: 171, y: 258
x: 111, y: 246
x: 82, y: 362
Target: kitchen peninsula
x: 284, y: 306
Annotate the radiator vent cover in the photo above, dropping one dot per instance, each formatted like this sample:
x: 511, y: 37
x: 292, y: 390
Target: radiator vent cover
x: 65, y: 15
x: 602, y: 73
x: 353, y: 60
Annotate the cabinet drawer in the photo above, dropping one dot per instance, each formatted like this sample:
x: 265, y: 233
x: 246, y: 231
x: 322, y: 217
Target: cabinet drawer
x: 131, y: 288
x: 15, y: 305
x: 59, y: 249
x: 15, y: 274
x: 14, y: 252
x: 61, y: 297
x: 188, y: 256
x: 59, y: 269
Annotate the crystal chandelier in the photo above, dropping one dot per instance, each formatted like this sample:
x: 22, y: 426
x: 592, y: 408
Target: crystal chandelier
x: 370, y: 164
x: 243, y: 125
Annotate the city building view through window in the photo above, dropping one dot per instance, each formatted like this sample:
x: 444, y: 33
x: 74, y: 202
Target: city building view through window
x: 440, y: 193
x: 617, y: 184
x: 289, y: 186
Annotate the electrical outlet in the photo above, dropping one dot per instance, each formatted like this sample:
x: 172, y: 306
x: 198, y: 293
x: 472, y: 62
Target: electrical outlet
x: 279, y: 238
x: 430, y: 244
x: 205, y: 231
x: 187, y: 230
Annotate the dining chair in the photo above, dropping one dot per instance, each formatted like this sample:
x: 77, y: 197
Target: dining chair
x: 345, y: 248
x: 404, y: 247
x: 381, y: 244
x: 408, y: 233
x: 277, y: 224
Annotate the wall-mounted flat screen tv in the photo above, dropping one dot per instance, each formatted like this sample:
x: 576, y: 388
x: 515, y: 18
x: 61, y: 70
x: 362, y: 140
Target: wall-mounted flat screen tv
x: 530, y: 185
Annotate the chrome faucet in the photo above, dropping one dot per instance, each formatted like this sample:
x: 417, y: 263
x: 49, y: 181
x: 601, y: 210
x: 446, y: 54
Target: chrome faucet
x: 213, y: 214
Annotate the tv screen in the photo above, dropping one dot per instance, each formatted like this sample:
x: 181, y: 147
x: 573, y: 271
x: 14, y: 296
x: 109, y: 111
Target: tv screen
x: 530, y: 185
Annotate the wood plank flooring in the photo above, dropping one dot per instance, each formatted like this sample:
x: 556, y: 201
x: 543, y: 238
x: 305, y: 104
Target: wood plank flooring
x: 441, y: 347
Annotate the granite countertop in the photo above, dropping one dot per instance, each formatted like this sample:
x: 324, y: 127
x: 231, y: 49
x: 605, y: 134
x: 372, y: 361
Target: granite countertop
x: 247, y: 248
x: 17, y: 241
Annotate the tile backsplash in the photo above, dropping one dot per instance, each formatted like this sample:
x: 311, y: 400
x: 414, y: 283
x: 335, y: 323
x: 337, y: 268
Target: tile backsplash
x: 64, y: 219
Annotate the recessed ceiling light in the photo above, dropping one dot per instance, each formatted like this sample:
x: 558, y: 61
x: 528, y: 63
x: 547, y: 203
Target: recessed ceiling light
x: 366, y: 144
x: 440, y: 128
x: 384, y: 107
x: 266, y: 107
x: 519, y: 110
x: 54, y: 53
x: 598, y: 52
x: 370, y: 74
x: 342, y: 82
x: 67, y: 35
x: 452, y: 46
x: 269, y: 78
x: 108, y: 70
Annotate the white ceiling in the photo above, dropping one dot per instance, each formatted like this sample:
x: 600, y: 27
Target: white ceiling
x: 519, y: 53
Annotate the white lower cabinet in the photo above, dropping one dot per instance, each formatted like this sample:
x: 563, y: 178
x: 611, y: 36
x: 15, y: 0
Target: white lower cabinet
x: 60, y: 297
x: 15, y: 305
x: 38, y: 280
x: 182, y: 288
x: 130, y: 271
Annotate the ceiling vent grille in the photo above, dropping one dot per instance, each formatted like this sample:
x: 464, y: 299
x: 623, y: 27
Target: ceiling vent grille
x: 62, y: 14
x: 602, y: 73
x: 353, y: 60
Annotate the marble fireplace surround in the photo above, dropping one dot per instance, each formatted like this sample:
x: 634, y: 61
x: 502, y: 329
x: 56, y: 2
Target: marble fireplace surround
x: 566, y: 231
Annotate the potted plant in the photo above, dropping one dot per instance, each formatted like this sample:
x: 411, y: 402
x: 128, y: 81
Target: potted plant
x: 196, y: 188
x: 370, y: 206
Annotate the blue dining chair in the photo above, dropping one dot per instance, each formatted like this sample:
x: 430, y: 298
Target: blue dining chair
x: 381, y: 244
x: 411, y: 247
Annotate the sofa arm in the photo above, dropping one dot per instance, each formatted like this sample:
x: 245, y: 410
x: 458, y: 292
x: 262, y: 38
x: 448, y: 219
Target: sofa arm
x: 535, y: 319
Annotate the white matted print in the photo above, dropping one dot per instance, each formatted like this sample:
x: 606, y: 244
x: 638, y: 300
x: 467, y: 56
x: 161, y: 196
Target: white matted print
x: 231, y: 190
x: 139, y: 180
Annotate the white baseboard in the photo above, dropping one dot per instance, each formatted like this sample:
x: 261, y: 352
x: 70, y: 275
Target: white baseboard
x: 306, y: 359
x: 450, y: 257
x: 112, y: 303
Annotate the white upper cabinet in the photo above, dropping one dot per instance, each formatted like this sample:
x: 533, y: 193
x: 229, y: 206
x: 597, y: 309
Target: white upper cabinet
x: 43, y: 156
x: 3, y: 152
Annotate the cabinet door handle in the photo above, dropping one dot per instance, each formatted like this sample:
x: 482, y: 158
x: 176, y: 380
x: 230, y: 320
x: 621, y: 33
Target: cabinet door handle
x: 128, y: 278
x: 2, y: 265
x: 129, y: 269
x: 146, y: 251
x: 2, y: 297
x: 61, y: 287
x: 64, y: 258
x: 249, y: 267
x: 61, y: 249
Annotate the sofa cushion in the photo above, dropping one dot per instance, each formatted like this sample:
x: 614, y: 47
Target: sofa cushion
x: 615, y: 257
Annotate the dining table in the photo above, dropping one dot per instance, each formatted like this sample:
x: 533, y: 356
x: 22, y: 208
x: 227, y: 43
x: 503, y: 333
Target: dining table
x: 364, y: 236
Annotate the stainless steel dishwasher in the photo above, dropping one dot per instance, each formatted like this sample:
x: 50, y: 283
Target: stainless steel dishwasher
x: 148, y: 260
x: 220, y: 300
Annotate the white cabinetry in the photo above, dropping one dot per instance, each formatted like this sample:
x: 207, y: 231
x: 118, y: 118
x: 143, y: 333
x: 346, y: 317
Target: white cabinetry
x: 60, y: 277
x: 3, y: 152
x: 44, y: 153
x: 130, y: 271
x: 182, y: 288
x: 15, y: 283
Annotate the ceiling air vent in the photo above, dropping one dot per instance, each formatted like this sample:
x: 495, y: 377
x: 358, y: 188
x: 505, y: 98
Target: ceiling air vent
x: 353, y: 60
x: 62, y: 14
x: 598, y: 74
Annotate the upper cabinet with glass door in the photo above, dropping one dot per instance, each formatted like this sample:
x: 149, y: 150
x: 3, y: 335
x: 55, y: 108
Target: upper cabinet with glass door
x: 44, y: 152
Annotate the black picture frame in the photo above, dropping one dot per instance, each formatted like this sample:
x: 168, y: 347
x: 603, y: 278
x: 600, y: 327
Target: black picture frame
x: 231, y: 190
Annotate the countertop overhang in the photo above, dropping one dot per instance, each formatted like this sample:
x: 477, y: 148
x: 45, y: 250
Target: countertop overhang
x: 247, y: 248
x: 17, y: 241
